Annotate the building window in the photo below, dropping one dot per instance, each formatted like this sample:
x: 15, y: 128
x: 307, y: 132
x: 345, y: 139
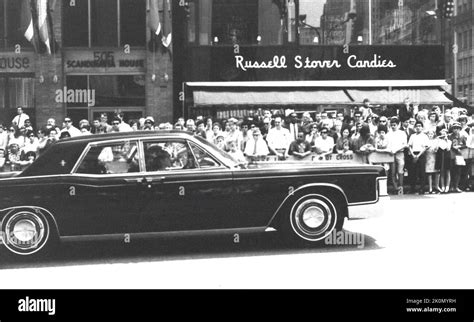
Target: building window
x: 470, y: 38
x: 108, y: 90
x: 78, y: 84
x: 2, y: 92
x: 16, y: 91
x: 132, y: 23
x: 104, y: 23
x: 310, y: 28
x: 11, y: 24
x: 75, y: 24
x: 118, y: 90
x: 251, y: 22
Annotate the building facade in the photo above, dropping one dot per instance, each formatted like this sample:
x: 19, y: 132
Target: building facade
x: 102, y: 59
x: 461, y: 29
x: 236, y: 56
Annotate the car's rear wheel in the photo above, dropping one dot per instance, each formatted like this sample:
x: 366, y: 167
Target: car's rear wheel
x: 313, y: 217
x: 27, y: 233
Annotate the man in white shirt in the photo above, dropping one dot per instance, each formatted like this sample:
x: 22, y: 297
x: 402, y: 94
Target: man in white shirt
x: 20, y: 118
x: 279, y: 139
x: 73, y: 131
x: 123, y: 127
x: 417, y: 146
x: 397, y: 142
x: 324, y: 144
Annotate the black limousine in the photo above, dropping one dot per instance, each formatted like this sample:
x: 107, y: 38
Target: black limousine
x: 172, y: 182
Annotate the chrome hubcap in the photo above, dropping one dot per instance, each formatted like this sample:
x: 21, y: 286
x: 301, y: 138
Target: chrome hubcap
x: 24, y: 233
x: 24, y: 230
x: 313, y: 217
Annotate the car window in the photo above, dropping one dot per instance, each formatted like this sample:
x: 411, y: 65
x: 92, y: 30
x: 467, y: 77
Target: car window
x: 111, y: 158
x: 168, y: 155
x: 203, y: 159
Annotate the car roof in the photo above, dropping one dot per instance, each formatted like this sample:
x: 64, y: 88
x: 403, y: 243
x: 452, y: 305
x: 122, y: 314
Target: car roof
x: 125, y: 135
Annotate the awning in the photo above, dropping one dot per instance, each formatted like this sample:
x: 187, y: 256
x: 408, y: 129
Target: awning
x: 208, y: 98
x: 333, y: 83
x: 459, y: 103
x: 318, y: 92
x: 398, y: 95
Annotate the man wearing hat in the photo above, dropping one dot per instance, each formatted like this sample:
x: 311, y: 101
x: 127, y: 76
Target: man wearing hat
x: 149, y: 123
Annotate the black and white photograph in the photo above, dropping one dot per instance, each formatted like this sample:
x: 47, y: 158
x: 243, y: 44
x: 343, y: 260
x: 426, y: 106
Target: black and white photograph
x: 237, y: 145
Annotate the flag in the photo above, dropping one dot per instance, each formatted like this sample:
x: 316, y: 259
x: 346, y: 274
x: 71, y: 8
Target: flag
x: 166, y: 39
x: 53, y: 43
x: 26, y: 19
x: 154, y: 17
x: 42, y: 7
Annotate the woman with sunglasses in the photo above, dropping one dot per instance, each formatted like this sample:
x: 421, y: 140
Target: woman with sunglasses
x: 31, y: 143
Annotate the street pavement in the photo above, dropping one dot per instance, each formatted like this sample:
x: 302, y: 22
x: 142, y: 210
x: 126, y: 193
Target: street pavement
x: 420, y: 242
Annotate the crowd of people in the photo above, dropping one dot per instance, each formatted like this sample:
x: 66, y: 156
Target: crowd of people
x: 426, y: 147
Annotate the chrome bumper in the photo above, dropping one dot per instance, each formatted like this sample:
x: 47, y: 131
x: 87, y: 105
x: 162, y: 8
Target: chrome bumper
x: 368, y: 210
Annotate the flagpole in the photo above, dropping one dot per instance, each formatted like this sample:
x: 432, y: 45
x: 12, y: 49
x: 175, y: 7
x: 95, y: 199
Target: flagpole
x: 370, y: 22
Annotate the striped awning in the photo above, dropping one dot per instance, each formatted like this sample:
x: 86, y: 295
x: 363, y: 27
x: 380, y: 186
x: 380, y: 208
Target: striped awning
x: 208, y: 98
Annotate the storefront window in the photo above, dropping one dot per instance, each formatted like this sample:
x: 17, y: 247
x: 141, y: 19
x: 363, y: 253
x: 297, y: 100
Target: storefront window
x: 11, y: 24
x: 366, y: 22
x: 250, y: 22
x: 77, y: 84
x: 112, y: 23
x: 21, y: 92
x: 16, y: 91
x: 120, y: 90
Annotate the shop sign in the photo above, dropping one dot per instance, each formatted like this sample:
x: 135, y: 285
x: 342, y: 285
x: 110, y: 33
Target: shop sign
x: 104, y: 61
x: 17, y: 63
x: 328, y: 62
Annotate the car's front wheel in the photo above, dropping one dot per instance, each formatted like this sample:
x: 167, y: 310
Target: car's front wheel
x: 313, y: 217
x: 27, y: 232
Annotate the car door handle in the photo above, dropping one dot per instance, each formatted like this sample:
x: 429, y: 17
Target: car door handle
x: 148, y: 182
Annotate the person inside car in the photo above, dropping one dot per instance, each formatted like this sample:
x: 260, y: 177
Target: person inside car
x: 157, y: 159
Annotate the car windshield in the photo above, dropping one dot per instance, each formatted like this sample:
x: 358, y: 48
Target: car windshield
x: 229, y: 160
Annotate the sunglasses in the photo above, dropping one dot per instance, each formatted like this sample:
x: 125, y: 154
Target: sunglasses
x: 67, y: 121
x: 115, y: 123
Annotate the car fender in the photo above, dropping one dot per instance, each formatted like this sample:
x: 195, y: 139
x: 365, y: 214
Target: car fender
x: 47, y: 213
x: 310, y: 187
